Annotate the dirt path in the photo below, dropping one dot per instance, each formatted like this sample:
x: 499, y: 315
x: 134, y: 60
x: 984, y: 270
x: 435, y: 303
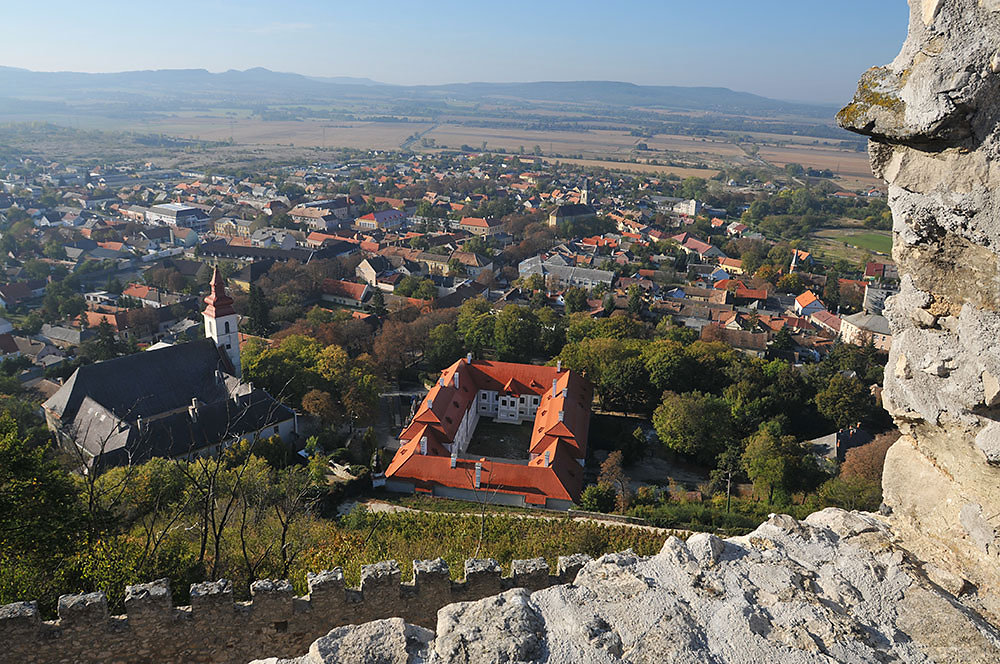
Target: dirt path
x: 374, y: 505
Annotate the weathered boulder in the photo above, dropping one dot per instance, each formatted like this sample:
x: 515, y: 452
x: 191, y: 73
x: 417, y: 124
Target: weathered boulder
x: 933, y: 115
x: 390, y: 641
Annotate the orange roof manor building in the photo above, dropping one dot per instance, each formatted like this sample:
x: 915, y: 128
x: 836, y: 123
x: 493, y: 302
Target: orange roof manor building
x: 435, y: 458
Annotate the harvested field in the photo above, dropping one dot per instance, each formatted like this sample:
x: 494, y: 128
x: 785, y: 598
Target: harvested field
x: 849, y: 165
x: 593, y: 143
x: 304, y: 133
x: 631, y: 167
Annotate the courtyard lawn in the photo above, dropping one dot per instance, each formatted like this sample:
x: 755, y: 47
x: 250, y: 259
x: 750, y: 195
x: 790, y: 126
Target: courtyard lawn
x: 498, y: 439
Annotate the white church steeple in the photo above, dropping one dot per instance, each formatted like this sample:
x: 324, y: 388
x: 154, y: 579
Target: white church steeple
x: 221, y: 321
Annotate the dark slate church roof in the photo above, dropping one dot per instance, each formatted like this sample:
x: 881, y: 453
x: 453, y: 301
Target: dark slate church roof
x: 168, y: 402
x: 147, y: 383
x: 573, y: 210
x: 185, y: 431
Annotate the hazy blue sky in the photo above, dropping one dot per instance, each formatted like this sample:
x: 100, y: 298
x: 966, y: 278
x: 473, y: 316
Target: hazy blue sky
x: 789, y: 49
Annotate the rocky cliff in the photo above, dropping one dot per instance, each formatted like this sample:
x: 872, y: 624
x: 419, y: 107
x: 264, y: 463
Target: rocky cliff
x: 834, y: 588
x: 932, y: 115
x: 920, y: 583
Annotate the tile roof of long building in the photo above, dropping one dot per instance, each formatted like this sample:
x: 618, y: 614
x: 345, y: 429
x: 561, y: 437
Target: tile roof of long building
x: 558, y: 433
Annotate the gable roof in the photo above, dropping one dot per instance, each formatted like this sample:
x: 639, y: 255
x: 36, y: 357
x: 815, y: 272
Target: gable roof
x: 145, y: 384
x: 345, y: 289
x: 805, y: 299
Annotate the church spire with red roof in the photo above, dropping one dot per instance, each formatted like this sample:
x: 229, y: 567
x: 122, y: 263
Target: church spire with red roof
x: 222, y: 322
x: 219, y: 303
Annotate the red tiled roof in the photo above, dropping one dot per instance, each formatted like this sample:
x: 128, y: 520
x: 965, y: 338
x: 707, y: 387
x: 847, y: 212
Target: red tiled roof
x: 345, y: 289
x: 477, y: 222
x: 560, y: 429
x: 806, y: 299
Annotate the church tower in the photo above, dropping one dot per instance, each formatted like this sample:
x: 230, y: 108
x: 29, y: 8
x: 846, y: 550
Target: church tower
x: 221, y: 321
x: 585, y: 194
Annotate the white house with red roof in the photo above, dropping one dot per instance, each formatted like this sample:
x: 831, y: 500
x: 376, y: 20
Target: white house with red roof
x: 807, y: 304
x: 346, y: 293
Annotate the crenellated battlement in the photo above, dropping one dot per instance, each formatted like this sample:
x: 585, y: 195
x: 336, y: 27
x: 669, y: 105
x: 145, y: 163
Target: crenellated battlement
x: 216, y: 628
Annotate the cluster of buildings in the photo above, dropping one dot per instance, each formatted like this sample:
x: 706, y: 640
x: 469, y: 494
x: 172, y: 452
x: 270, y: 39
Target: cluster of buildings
x: 398, y: 222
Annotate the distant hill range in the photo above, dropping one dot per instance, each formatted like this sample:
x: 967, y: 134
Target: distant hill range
x: 259, y: 85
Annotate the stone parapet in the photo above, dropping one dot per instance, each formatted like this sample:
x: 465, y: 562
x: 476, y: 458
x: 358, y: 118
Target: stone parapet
x: 275, y: 622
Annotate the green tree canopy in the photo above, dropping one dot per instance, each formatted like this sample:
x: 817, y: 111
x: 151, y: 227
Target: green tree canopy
x: 694, y: 423
x: 845, y: 400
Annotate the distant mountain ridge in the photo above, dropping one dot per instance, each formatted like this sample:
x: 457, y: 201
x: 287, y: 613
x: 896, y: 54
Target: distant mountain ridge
x: 295, y: 88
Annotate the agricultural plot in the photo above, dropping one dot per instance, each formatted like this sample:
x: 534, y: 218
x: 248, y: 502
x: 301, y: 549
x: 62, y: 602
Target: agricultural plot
x: 634, y: 167
x: 851, y: 244
x: 304, y: 133
x: 593, y: 144
x: 878, y: 242
x: 853, y: 167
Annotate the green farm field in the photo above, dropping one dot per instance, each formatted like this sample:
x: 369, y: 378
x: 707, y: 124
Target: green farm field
x: 879, y: 242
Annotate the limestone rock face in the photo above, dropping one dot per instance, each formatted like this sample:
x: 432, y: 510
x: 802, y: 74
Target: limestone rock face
x: 834, y: 588
x: 932, y: 115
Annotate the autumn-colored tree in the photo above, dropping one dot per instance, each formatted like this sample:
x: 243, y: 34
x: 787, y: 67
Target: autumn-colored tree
x: 320, y: 404
x: 866, y: 461
x: 613, y: 475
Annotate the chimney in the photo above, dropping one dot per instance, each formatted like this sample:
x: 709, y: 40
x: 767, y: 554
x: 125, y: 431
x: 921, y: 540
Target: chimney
x: 441, y: 381
x: 565, y: 392
x: 548, y: 459
x: 558, y: 366
x: 454, y: 455
x: 423, y: 445
x: 479, y: 473
x: 430, y: 404
x: 193, y: 409
x: 455, y: 376
x: 554, y: 382
x: 562, y: 414
x: 468, y: 358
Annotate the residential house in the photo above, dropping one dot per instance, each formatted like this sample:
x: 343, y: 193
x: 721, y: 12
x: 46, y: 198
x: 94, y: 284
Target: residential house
x: 807, y: 304
x: 477, y: 226
x: 861, y: 328
x: 12, y: 294
x: 345, y: 293
x: 370, y: 268
x: 383, y: 220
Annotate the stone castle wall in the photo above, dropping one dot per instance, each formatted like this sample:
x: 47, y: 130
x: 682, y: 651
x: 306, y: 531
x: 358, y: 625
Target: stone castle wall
x: 275, y: 622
